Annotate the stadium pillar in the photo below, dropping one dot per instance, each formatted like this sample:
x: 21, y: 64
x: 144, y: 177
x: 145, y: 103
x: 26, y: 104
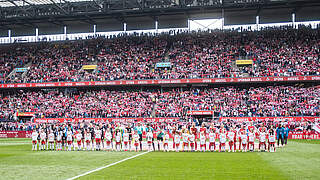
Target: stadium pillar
x: 9, y: 35
x: 257, y: 22
x: 156, y: 26
x: 65, y: 32
x: 94, y: 30
x: 125, y: 27
x: 222, y: 15
x: 37, y: 34
x: 293, y: 20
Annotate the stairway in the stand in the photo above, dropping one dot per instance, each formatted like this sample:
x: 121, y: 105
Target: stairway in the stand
x: 26, y: 66
x: 14, y: 71
x: 154, y: 107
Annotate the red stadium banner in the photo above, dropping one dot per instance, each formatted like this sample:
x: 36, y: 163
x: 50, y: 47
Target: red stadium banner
x: 52, y: 120
x: 200, y: 112
x: 302, y: 135
x: 164, y: 81
x: 241, y: 119
x: 27, y: 134
x: 173, y: 119
x: 15, y: 134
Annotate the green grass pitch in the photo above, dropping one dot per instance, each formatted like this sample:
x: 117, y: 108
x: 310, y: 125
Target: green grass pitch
x: 299, y: 160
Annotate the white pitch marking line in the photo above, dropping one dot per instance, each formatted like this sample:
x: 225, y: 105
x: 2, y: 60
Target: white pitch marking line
x: 100, y: 168
x: 9, y: 144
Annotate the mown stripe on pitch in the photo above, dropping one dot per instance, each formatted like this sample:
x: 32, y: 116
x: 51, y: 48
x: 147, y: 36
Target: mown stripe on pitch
x: 109, y: 165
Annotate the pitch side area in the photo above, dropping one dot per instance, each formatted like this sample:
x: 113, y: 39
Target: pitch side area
x: 299, y: 160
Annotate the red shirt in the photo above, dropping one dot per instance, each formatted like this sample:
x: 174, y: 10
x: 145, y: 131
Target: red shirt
x: 251, y: 128
x: 193, y: 130
x: 241, y: 131
x: 203, y: 129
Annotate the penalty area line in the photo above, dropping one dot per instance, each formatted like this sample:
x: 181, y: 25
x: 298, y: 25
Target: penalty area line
x: 109, y: 165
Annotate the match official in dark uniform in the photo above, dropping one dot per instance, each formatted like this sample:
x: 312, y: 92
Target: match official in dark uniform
x: 280, y: 134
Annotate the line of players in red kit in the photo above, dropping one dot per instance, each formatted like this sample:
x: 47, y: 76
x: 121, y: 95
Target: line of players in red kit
x: 183, y: 139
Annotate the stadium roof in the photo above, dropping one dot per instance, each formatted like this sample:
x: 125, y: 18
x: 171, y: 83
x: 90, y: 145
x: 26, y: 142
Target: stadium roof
x: 10, y: 3
x: 23, y: 16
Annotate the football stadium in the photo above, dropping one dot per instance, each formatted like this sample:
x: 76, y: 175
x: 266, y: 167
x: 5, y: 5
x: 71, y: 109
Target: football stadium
x: 159, y: 89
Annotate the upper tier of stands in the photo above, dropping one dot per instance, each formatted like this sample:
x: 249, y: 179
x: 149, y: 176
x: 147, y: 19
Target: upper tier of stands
x: 275, y: 52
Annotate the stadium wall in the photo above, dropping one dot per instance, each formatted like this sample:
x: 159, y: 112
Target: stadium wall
x: 163, y: 82
x: 106, y: 25
x: 28, y: 134
x: 174, y: 119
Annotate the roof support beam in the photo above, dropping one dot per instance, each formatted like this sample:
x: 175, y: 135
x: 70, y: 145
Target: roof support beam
x: 59, y: 7
x: 27, y: 2
x: 101, y: 9
x: 19, y: 7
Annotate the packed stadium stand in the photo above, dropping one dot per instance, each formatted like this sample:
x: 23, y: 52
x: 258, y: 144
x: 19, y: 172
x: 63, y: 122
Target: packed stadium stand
x: 270, y: 101
x: 275, y: 52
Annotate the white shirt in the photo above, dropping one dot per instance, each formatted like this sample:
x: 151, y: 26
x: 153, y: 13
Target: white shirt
x: 59, y: 136
x: 166, y: 138
x: 149, y: 136
x: 136, y: 137
x: 98, y: 134
x: 231, y: 135
x: 262, y: 137
x: 192, y: 138
x: 185, y: 137
x: 272, y: 138
x: 87, y: 136
x: 51, y: 137
x: 244, y: 138
x: 177, y: 138
x: 202, y: 139
x: 108, y: 136
x: 43, y: 136
x: 69, y: 136
x: 118, y: 138
x: 223, y: 138
x: 251, y: 137
x: 212, y: 137
x: 125, y: 137
x: 34, y: 136
x: 79, y: 137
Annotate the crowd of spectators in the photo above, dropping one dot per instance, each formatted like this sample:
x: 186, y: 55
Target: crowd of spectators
x: 130, y: 58
x: 275, y: 101
x: 271, y: 101
x: 16, y: 126
x: 275, y: 52
x: 91, y: 103
x: 14, y: 56
x: 58, y: 62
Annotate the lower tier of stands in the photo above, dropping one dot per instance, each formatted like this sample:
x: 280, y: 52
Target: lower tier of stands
x: 267, y: 101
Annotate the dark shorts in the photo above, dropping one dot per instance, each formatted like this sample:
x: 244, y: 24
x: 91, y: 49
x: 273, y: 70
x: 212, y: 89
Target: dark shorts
x: 140, y: 137
x: 160, y: 138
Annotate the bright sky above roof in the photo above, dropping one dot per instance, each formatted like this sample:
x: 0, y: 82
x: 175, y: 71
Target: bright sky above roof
x: 9, y: 3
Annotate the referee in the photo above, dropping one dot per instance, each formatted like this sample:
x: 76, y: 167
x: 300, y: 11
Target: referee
x: 160, y: 138
x: 286, y: 134
x: 139, y: 129
x: 280, y: 134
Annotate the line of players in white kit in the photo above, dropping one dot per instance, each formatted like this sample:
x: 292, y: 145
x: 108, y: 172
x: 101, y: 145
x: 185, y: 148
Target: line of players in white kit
x: 185, y: 139
x: 226, y: 140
